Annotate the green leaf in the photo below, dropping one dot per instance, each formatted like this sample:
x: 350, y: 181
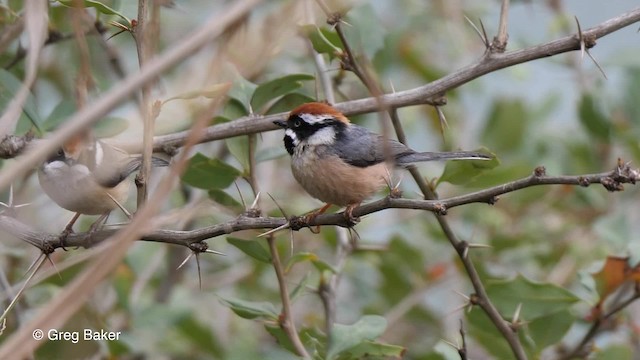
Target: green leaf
x: 61, y: 112
x: 271, y: 153
x: 224, y: 199
x: 281, y: 337
x: 252, y: 248
x: 213, y: 92
x: 9, y: 87
x: 506, y: 126
x: 324, y: 40
x: 592, y: 118
x: 537, y: 299
x: 110, y: 126
x: 288, y: 102
x: 311, y: 257
x: 206, y: 173
x: 251, y: 309
x: 460, y: 172
x: 100, y: 7
x: 374, y: 350
x: 299, y: 289
x: 239, y: 147
x: 234, y: 109
x: 242, y: 90
x: 275, y: 88
x: 548, y: 330
x: 618, y: 352
x: 201, y: 336
x: 366, y: 35
x: 345, y: 337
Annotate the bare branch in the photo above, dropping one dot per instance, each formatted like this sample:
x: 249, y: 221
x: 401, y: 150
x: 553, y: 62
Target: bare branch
x: 420, y: 95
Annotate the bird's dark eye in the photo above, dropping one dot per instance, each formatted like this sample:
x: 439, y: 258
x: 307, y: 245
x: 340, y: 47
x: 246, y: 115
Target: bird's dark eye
x: 297, y: 123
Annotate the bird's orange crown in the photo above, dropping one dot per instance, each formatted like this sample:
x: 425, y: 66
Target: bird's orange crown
x: 318, y: 108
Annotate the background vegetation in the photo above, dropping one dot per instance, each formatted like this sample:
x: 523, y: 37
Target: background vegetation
x: 545, y: 272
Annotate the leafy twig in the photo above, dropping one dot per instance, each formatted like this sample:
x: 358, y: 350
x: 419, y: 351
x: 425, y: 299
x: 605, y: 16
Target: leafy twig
x: 286, y: 319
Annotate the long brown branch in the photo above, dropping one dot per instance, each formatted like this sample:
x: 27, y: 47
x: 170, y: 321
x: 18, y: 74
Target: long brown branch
x: 611, y: 180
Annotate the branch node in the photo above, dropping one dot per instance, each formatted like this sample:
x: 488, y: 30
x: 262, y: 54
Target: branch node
x: 198, y: 247
x: 611, y: 184
x: 540, y: 171
x: 492, y: 200
x: 440, y: 208
x: 583, y: 181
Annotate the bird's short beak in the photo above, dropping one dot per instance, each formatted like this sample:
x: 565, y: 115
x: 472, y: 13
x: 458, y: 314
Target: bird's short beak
x: 281, y: 123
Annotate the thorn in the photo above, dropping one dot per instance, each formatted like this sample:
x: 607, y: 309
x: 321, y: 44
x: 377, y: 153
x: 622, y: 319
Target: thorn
x: 254, y: 205
x: 393, y: 88
x: 199, y: 271
x: 244, y: 204
x: 458, y: 308
x: 209, y: 251
x: 54, y: 266
x: 185, y: 260
x: 484, y: 35
x: 580, y: 38
x: 597, y: 65
x: 281, y: 227
x: 278, y: 205
x: 516, y: 315
x: 484, y: 40
x: 33, y: 264
x: 465, y: 253
x: 443, y: 119
x: 455, y: 346
x: 290, y: 243
x: 466, y: 297
x: 479, y: 246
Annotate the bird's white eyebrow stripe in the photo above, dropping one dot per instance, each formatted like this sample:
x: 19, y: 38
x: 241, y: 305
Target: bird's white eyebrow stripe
x: 314, y: 118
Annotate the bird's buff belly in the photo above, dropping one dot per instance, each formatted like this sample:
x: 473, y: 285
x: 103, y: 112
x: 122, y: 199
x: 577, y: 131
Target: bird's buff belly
x: 335, y: 182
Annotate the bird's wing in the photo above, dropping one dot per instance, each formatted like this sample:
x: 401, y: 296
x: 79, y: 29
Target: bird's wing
x: 360, y: 147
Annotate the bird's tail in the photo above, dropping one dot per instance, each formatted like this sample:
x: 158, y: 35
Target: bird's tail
x: 433, y: 156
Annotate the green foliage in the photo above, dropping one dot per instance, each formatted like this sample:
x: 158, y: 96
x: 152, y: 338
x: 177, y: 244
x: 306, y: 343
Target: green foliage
x: 9, y: 87
x: 593, y: 119
x: 251, y: 309
x: 206, y: 173
x: 99, y: 6
x: 252, y: 248
x: 346, y: 337
x: 461, y: 172
x: 506, y: 126
x: 273, y: 89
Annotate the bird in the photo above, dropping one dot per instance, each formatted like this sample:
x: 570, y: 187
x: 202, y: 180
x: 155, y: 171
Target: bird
x: 342, y: 163
x: 88, y: 176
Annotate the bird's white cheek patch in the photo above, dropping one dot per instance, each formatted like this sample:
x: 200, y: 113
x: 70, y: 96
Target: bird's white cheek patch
x: 292, y: 135
x: 324, y: 136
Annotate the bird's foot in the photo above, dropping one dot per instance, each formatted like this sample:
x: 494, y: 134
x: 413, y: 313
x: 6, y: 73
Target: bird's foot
x: 348, y: 215
x: 310, y: 217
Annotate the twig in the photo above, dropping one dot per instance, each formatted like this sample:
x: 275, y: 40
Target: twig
x: 611, y: 180
x: 21, y: 344
x: 184, y: 48
x: 597, y: 323
x: 499, y: 43
x: 420, y: 95
x: 286, y: 319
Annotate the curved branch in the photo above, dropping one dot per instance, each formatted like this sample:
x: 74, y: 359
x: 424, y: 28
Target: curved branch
x: 612, y: 181
x: 488, y: 63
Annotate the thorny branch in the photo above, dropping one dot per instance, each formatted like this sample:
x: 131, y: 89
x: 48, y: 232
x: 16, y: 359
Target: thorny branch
x: 612, y: 181
x: 425, y: 94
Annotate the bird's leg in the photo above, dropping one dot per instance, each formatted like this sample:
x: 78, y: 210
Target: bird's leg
x: 313, y: 215
x: 97, y: 225
x: 348, y: 214
x: 67, y: 230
